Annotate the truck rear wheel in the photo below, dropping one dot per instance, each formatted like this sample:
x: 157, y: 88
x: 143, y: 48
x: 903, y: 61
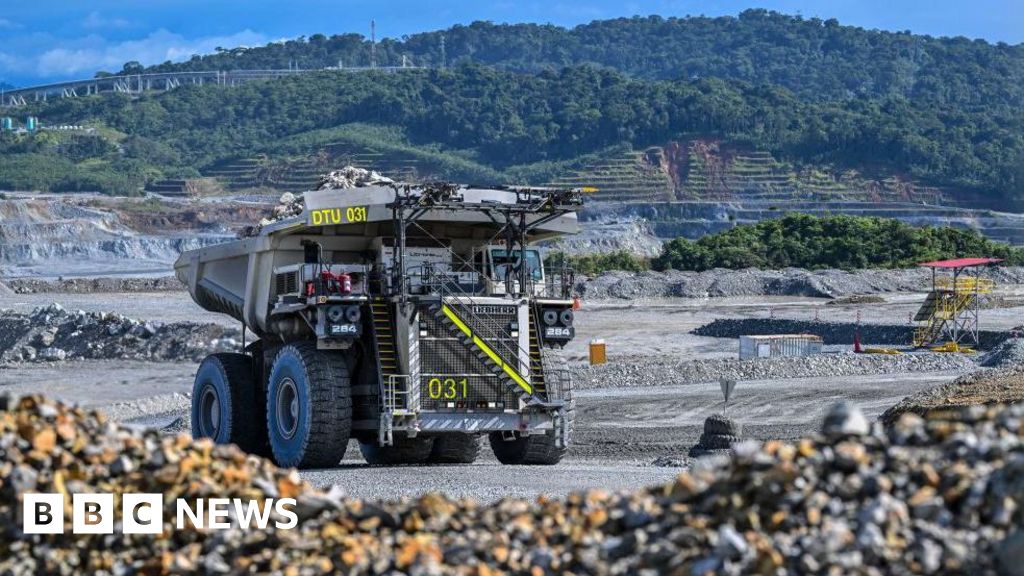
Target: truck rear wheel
x: 309, y: 407
x: 401, y: 451
x: 455, y: 449
x: 224, y: 403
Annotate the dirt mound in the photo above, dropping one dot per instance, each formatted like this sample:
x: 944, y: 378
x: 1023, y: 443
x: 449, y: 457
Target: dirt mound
x: 917, y: 497
x: 1009, y: 353
x: 52, y: 333
x: 977, y: 389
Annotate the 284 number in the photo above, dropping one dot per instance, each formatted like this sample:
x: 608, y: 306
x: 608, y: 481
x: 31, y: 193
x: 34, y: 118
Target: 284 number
x: 447, y: 389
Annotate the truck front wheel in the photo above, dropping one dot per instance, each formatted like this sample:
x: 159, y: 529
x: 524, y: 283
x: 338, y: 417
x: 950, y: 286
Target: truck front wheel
x: 224, y: 405
x: 309, y: 407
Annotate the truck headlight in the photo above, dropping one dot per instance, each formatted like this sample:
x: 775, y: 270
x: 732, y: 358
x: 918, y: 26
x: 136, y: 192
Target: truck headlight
x: 353, y: 314
x: 336, y: 313
x: 566, y: 317
x: 550, y: 317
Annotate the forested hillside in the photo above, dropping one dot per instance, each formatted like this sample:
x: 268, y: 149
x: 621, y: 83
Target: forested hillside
x: 820, y: 60
x: 809, y: 92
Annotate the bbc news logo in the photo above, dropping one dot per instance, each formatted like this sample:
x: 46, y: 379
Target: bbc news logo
x: 144, y: 513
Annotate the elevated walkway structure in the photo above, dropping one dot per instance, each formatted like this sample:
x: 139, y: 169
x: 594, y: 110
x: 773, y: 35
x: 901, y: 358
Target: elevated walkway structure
x: 949, y: 315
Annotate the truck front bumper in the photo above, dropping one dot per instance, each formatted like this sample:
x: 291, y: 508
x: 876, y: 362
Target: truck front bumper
x: 440, y: 422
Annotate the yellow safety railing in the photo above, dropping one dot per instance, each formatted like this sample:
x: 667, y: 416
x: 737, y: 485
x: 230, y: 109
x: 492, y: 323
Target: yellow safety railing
x: 966, y: 284
x: 946, y: 308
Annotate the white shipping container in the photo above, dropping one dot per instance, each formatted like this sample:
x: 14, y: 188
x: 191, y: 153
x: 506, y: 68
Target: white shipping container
x: 775, y: 345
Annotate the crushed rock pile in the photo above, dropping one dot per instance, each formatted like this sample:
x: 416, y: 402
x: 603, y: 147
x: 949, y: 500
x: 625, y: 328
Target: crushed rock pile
x: 754, y: 282
x: 997, y: 386
x: 830, y: 332
x: 290, y: 205
x: 93, y: 285
x: 1007, y: 354
x: 924, y: 496
x: 351, y: 177
x: 51, y: 333
x: 642, y: 372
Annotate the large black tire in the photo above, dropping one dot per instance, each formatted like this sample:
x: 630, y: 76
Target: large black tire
x: 538, y: 449
x: 719, y: 424
x: 402, y: 451
x: 697, y: 452
x: 718, y: 441
x: 309, y: 407
x: 455, y: 449
x: 224, y: 403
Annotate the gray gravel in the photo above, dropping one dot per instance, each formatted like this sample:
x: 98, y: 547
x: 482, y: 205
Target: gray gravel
x: 648, y: 371
x: 1007, y: 354
x: 754, y: 282
x: 52, y: 334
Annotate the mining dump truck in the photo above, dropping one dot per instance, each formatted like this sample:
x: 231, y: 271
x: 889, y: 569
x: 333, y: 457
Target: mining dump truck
x: 414, y: 318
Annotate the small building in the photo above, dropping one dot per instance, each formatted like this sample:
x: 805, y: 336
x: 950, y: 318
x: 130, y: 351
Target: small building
x: 774, y: 345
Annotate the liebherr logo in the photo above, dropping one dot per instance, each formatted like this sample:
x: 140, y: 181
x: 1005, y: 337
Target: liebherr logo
x: 144, y: 513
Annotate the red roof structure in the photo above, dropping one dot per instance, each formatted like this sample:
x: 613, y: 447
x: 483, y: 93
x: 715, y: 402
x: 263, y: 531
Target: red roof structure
x: 960, y: 262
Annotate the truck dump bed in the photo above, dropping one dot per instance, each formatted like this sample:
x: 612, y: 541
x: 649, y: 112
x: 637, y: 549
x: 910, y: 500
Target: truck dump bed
x: 237, y: 278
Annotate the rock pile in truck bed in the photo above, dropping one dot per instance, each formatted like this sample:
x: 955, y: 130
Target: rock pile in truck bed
x: 942, y: 495
x: 290, y: 205
x: 52, y: 333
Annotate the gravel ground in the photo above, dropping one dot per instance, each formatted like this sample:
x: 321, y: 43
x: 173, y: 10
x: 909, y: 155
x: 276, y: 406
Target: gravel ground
x: 942, y: 495
x: 647, y: 372
x: 91, y: 285
x: 754, y: 282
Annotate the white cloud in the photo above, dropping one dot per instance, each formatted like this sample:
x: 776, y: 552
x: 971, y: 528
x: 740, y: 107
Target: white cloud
x: 5, y: 23
x: 159, y: 46
x: 95, y: 20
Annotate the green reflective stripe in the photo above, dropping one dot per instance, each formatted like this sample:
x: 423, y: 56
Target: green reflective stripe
x: 479, y: 343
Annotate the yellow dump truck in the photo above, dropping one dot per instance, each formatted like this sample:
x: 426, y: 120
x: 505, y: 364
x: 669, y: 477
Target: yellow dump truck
x: 416, y: 319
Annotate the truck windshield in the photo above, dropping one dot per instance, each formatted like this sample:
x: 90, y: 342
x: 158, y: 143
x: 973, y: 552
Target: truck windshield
x: 505, y: 262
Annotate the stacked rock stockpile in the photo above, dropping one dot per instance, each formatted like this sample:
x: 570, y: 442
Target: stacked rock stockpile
x: 720, y: 434
x: 720, y: 282
x: 93, y: 285
x: 924, y: 496
x: 645, y: 371
x: 830, y: 332
x: 52, y: 333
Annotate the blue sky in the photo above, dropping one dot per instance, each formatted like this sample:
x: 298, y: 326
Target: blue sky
x: 49, y: 40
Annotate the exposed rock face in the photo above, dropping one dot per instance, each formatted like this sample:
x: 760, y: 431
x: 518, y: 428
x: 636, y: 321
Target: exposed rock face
x: 58, y: 236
